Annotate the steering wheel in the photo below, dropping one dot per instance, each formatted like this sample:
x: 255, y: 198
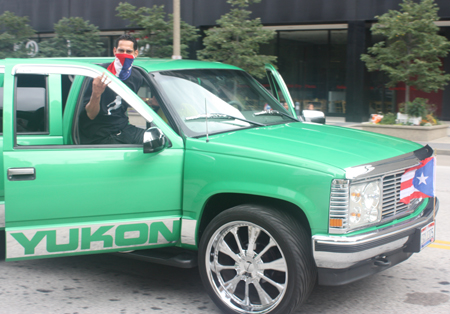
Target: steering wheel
x: 236, y: 105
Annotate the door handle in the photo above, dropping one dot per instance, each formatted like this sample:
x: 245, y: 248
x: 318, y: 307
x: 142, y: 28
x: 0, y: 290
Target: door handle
x: 21, y: 174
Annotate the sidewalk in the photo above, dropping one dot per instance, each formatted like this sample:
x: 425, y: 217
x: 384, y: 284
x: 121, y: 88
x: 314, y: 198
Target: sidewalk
x: 441, y: 146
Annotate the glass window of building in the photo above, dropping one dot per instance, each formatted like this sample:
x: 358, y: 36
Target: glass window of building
x: 381, y: 98
x: 313, y: 65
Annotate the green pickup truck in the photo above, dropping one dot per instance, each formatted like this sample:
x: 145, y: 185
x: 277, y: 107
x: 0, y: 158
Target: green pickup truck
x: 227, y: 179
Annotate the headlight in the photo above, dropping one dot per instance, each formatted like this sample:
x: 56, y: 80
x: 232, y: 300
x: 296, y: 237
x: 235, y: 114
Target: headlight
x: 365, y: 204
x: 354, y: 205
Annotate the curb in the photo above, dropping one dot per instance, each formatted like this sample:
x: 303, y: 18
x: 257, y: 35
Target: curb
x: 438, y: 151
x: 442, y: 151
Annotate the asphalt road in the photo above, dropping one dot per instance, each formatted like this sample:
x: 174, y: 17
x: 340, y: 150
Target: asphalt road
x: 114, y: 284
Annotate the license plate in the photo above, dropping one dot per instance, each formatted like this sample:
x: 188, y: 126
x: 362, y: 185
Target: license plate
x: 427, y: 235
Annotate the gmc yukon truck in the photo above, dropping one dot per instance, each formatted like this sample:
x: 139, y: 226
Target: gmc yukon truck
x: 227, y: 179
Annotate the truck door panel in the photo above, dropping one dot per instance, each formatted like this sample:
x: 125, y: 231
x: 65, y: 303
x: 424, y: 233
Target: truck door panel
x: 88, y: 198
x: 2, y: 185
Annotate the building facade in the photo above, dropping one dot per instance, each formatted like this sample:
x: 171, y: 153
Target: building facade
x: 318, y: 44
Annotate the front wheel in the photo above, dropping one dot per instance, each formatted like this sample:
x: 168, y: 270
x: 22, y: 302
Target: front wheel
x: 255, y: 259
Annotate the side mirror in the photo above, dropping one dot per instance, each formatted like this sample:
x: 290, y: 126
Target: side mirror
x: 154, y: 140
x: 315, y: 116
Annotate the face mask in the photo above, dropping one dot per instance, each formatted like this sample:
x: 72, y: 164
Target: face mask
x: 122, y: 66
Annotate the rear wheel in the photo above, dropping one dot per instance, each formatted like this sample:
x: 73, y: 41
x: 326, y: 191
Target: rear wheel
x: 255, y: 259
x: 2, y: 245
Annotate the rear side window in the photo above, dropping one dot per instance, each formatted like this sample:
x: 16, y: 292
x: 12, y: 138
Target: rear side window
x: 1, y: 101
x: 31, y: 104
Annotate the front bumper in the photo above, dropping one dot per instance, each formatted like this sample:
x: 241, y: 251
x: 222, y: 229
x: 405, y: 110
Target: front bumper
x: 342, y: 259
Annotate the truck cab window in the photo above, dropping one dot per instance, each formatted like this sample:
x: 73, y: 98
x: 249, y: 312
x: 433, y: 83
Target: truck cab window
x: 116, y: 121
x: 1, y: 102
x: 30, y: 101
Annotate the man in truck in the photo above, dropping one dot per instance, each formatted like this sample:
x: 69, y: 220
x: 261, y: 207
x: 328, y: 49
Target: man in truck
x: 104, y: 119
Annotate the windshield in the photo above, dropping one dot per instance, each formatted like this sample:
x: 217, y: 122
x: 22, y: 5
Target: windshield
x: 200, y: 99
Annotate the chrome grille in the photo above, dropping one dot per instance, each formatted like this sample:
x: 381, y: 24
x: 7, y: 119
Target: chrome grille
x: 389, y: 171
x: 392, y: 208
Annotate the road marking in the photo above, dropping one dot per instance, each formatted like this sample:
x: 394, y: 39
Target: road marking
x: 442, y: 245
x: 442, y: 242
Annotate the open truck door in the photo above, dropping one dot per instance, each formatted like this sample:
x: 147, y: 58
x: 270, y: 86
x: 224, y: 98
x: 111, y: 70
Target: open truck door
x: 69, y: 199
x: 279, y: 90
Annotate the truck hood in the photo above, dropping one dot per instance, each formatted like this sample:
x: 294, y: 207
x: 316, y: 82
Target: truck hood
x: 307, y: 145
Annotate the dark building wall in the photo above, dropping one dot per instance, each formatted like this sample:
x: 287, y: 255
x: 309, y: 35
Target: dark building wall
x: 356, y: 70
x: 44, y: 13
x: 280, y: 12
x: 104, y: 14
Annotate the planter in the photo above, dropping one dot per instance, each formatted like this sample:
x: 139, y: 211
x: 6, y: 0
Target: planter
x: 409, y: 132
x: 404, y: 118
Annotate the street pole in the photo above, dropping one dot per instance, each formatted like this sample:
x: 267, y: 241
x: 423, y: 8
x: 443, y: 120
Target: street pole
x: 176, y: 30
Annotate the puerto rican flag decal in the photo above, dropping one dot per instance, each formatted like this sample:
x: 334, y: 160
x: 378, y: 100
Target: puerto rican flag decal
x: 418, y: 181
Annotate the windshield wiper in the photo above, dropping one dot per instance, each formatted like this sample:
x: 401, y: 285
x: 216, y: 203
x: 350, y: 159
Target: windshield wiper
x: 220, y: 116
x: 273, y: 112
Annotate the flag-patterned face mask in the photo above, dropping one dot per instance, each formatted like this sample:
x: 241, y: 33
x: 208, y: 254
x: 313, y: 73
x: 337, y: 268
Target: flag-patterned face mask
x: 122, y: 66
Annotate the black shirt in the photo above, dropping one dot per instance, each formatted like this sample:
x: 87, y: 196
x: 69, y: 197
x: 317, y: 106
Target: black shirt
x: 112, y: 117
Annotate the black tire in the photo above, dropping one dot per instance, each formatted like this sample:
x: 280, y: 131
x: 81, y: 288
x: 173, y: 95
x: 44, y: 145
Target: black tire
x: 229, y: 272
x: 2, y: 245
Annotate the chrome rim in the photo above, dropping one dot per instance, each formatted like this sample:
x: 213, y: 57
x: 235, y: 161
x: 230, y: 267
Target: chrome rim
x: 246, y: 267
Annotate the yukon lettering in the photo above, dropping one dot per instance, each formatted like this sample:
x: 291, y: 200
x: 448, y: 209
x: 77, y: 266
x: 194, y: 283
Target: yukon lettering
x: 98, y: 236
x: 52, y: 247
x: 29, y: 245
x: 93, y: 238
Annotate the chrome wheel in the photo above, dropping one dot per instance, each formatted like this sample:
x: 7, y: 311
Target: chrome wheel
x: 246, y: 267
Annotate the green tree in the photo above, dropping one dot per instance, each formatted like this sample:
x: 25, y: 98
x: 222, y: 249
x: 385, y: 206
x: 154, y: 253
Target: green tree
x: 74, y: 37
x: 14, y: 34
x: 237, y: 40
x: 156, y: 36
x: 412, y: 47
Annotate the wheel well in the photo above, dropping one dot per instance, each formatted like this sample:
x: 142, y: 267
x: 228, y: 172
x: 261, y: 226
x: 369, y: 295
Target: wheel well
x: 220, y: 202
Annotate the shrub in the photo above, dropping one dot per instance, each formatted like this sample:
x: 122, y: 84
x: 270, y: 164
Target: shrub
x: 417, y: 108
x: 388, y: 118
